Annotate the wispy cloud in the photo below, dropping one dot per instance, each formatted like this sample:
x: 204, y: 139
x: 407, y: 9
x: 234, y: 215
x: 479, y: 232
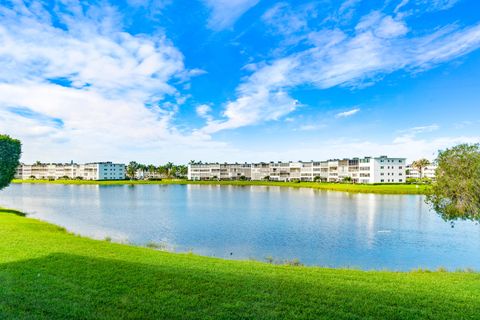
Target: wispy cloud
x: 203, y: 111
x: 285, y: 20
x: 348, y: 113
x: 85, y: 81
x: 410, y: 133
x: 224, y: 13
x: 311, y: 127
x: 379, y: 47
x: 351, y: 147
x: 438, y: 4
x: 421, y: 129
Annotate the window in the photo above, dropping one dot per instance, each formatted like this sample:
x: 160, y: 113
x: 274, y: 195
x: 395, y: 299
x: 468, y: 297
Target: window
x: 382, y: 180
x: 381, y: 167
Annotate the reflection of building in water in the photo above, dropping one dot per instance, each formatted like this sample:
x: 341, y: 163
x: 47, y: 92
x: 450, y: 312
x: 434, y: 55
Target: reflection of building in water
x: 359, y: 170
x: 88, y: 171
x: 367, y: 210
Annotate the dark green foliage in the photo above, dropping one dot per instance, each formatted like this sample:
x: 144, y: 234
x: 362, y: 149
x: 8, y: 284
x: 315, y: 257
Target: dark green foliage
x: 347, y: 180
x: 456, y: 191
x: 10, y: 151
x: 419, y: 181
x: 132, y: 169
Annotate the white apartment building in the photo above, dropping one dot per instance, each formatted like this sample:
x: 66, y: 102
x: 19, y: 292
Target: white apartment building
x: 225, y: 171
x: 88, y: 171
x: 427, y: 172
x: 365, y: 170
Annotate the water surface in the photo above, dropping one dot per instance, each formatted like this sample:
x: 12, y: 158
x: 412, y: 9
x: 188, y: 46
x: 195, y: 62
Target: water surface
x: 318, y: 227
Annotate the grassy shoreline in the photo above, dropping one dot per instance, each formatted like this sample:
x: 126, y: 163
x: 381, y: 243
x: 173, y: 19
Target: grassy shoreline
x: 46, y: 272
x: 354, y: 188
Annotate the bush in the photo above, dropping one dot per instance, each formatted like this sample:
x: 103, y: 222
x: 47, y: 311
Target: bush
x: 419, y: 181
x: 347, y: 179
x: 10, y: 151
x: 456, y: 191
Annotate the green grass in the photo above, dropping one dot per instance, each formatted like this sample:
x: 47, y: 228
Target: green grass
x: 346, y: 187
x: 47, y: 273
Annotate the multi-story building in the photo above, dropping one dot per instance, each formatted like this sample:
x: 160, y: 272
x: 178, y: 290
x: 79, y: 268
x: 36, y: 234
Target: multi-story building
x: 88, y: 171
x: 427, y: 172
x: 365, y: 170
x: 225, y: 171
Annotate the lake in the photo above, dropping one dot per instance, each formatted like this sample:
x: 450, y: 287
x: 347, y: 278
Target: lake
x: 317, y: 227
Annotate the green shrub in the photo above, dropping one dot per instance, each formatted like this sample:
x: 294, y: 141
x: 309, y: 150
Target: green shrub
x: 10, y: 151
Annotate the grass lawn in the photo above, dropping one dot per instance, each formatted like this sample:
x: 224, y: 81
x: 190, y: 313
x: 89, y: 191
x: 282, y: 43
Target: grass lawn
x: 47, y: 273
x: 347, y: 187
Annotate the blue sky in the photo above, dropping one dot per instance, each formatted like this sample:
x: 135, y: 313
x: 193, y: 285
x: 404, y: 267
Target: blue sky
x: 238, y: 80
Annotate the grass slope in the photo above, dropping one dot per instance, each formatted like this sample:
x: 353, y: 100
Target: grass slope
x: 347, y: 187
x: 47, y: 273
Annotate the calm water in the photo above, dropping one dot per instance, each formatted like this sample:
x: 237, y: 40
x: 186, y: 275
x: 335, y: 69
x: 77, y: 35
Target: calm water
x: 317, y: 227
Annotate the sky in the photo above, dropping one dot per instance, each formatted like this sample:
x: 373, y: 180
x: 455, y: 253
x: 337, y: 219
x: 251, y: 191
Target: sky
x: 238, y: 80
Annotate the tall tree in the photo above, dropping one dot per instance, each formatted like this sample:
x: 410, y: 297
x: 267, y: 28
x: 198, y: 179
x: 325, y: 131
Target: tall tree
x: 456, y: 192
x: 151, y: 168
x: 182, y: 171
x: 10, y: 151
x: 132, y: 169
x: 420, y: 164
x: 162, y: 170
x: 169, y: 166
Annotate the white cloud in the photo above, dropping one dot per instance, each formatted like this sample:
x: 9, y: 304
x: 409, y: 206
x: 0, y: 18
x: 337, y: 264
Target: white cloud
x: 402, y: 4
x: 311, y: 127
x: 347, y: 5
x: 438, y: 4
x: 107, y: 91
x: 346, y: 147
x: 410, y: 133
x: 390, y: 28
x: 421, y: 129
x: 378, y: 47
x: 261, y: 98
x: 283, y: 19
x: 203, y: 111
x: 224, y: 13
x: 348, y: 113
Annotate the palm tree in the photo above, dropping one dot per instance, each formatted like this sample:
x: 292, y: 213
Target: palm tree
x: 420, y: 164
x: 182, y: 171
x: 169, y: 166
x: 132, y: 169
x: 151, y: 168
x: 162, y: 171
